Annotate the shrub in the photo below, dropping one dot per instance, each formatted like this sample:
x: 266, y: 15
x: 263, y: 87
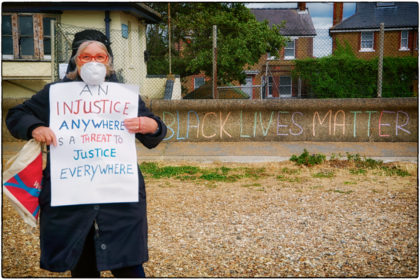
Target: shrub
x: 345, y: 76
x: 308, y: 160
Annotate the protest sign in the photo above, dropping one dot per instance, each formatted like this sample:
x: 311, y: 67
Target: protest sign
x: 95, y: 160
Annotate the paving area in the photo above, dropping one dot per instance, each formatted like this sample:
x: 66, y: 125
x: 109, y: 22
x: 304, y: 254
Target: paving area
x: 262, y: 151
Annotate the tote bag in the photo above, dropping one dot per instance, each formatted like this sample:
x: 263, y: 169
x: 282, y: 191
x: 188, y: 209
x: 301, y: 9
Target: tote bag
x: 22, y: 181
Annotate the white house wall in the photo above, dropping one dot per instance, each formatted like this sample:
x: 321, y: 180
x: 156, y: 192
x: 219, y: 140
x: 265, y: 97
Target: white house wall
x: 128, y: 53
x: 87, y: 19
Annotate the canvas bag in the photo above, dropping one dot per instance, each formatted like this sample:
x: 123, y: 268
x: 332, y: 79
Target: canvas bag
x: 22, y: 181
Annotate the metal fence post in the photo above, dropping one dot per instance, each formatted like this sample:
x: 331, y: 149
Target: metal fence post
x: 215, y: 93
x: 380, y: 60
x: 169, y: 37
x: 53, y: 44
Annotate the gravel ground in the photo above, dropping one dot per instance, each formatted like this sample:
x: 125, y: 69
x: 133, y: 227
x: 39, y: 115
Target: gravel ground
x: 289, y: 221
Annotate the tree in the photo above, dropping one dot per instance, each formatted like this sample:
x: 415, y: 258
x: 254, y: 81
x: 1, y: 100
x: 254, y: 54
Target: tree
x: 156, y: 51
x: 241, y: 39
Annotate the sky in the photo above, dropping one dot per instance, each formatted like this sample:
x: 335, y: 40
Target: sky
x: 321, y: 13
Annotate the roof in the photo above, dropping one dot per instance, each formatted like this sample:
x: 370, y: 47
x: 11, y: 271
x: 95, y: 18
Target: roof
x: 139, y: 10
x: 297, y: 23
x: 369, y: 15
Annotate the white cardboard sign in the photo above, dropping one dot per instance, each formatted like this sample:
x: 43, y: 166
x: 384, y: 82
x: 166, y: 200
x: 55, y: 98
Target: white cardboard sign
x: 95, y: 160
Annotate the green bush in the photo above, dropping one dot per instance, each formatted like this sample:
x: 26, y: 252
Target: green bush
x: 342, y: 75
x: 306, y: 159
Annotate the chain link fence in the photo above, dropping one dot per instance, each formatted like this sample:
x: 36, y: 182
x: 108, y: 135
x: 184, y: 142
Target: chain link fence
x: 130, y: 57
x: 329, y: 65
x: 332, y: 65
x: 344, y: 65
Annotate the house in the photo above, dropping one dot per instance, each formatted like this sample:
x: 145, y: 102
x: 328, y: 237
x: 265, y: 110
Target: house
x: 361, y: 31
x: 271, y: 76
x: 274, y: 74
x: 37, y: 37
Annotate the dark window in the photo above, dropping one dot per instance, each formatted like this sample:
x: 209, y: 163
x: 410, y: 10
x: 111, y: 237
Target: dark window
x: 26, y: 35
x: 198, y: 82
x: 6, y: 35
x: 47, y: 35
x: 285, y: 86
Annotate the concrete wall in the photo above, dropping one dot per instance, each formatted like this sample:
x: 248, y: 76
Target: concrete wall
x: 333, y: 120
x: 26, y: 70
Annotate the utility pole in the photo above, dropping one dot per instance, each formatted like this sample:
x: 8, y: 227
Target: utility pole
x: 215, y: 93
x: 381, y: 59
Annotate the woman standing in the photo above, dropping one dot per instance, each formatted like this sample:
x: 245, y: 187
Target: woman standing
x: 87, y: 239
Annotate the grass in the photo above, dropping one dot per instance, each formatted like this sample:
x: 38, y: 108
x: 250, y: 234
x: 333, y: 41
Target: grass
x: 289, y: 179
x: 324, y: 174
x: 251, y: 185
x: 289, y: 171
x: 358, y: 171
x: 193, y: 173
x: 167, y: 171
x: 350, y: 183
x: 394, y: 171
x: 356, y: 165
x: 341, y: 192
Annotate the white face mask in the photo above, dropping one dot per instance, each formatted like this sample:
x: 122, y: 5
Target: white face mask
x: 93, y: 73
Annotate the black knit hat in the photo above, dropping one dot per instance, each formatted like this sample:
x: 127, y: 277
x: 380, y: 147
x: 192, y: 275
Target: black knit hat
x: 87, y: 35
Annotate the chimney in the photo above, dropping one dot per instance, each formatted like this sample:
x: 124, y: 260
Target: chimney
x: 302, y: 6
x: 337, y: 12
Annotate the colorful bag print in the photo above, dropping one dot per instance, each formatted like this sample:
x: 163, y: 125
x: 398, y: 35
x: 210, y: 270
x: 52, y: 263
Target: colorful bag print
x: 22, y: 181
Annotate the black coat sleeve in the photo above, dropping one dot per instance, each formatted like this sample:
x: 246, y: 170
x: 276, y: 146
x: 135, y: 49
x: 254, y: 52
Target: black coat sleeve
x: 150, y: 140
x: 34, y: 112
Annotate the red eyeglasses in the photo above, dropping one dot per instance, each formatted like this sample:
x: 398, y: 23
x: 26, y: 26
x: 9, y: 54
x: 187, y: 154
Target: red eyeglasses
x: 88, y: 58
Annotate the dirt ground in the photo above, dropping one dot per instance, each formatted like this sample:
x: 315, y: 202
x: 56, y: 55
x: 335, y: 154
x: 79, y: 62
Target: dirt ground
x: 264, y: 220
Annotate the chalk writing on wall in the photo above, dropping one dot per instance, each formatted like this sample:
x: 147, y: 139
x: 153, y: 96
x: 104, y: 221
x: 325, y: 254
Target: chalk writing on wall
x: 191, y: 125
x: 95, y: 160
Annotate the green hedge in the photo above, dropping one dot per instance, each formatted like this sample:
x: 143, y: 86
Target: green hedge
x: 346, y: 76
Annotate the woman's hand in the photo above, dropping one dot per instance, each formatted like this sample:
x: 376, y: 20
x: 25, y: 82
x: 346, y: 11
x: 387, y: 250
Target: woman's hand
x: 143, y: 125
x: 45, y: 135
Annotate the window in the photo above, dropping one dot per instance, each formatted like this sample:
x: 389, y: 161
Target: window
x: 404, y: 40
x: 247, y: 87
x: 285, y: 86
x: 7, y: 37
x: 270, y: 57
x: 198, y: 82
x: 289, y: 50
x: 46, y: 21
x: 26, y: 36
x: 268, y: 87
x: 366, y: 41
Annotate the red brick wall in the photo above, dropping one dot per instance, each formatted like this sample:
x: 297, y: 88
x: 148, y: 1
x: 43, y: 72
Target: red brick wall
x: 392, y: 41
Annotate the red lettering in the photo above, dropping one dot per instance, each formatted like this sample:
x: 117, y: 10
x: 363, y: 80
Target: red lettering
x: 115, y: 105
x: 384, y: 124
x: 126, y: 108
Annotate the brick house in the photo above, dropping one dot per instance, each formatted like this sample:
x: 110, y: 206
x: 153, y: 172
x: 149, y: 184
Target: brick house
x: 272, y: 71
x: 361, y: 31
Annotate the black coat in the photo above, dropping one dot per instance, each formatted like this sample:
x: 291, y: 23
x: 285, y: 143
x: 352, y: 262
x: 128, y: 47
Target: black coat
x: 121, y: 236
